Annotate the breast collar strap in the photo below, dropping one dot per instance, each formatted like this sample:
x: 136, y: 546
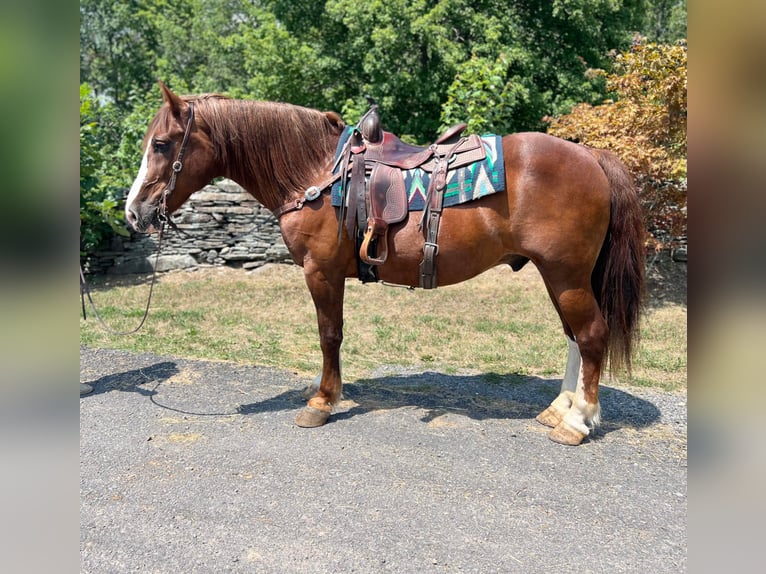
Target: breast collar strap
x: 312, y: 193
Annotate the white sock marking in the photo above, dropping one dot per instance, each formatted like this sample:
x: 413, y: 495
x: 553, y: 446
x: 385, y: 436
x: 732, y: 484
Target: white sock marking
x: 572, y: 373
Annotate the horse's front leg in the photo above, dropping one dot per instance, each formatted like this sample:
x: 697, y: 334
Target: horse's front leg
x: 327, y: 292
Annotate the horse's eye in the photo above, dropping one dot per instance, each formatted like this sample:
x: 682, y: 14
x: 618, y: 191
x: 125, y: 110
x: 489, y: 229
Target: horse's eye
x: 160, y: 146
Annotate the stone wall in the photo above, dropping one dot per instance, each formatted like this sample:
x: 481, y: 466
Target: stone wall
x: 226, y: 226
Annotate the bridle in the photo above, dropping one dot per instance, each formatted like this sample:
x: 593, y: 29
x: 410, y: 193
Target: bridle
x: 164, y: 217
x: 162, y: 207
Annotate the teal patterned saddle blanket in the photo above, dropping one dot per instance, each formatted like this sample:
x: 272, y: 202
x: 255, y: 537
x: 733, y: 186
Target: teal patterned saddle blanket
x: 464, y: 184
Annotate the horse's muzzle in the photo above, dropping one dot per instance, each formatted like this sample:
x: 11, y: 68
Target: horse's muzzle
x: 143, y: 220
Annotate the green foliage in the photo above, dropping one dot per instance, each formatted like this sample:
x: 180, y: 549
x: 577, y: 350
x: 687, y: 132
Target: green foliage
x: 665, y: 21
x: 491, y: 99
x: 109, y: 153
x: 646, y: 127
x: 97, y: 208
x: 498, y: 66
x: 116, y: 48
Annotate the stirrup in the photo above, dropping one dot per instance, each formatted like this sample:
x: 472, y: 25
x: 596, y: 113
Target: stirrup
x: 373, y: 231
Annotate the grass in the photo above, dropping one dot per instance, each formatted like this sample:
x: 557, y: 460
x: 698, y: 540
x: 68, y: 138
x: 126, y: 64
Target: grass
x: 500, y: 323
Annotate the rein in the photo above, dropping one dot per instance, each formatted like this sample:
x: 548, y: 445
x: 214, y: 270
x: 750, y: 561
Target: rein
x: 85, y: 291
x: 164, y: 217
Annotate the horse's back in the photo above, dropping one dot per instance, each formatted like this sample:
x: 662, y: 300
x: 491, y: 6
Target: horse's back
x: 556, y: 169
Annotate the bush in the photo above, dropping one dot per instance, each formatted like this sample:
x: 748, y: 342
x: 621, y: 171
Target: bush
x: 100, y: 212
x: 645, y: 125
x: 110, y: 152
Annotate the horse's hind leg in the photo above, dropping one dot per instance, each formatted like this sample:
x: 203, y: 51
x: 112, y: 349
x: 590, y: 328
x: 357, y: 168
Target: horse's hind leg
x: 553, y: 415
x: 576, y: 410
x: 327, y: 292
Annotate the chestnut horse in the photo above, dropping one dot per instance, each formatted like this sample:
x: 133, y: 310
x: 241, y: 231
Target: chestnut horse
x: 571, y: 210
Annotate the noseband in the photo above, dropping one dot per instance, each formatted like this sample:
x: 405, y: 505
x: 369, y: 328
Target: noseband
x: 162, y: 208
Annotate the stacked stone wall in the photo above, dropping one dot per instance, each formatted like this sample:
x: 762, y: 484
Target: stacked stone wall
x: 225, y: 226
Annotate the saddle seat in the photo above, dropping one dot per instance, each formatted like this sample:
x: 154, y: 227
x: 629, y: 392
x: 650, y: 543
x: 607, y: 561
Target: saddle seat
x: 390, y: 150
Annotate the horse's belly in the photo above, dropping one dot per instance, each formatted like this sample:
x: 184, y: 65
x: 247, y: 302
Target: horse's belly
x: 468, y: 245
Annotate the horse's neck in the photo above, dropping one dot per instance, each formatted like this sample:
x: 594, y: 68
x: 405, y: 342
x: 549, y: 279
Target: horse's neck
x: 273, y: 159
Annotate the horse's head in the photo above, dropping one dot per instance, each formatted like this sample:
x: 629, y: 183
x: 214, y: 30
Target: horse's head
x: 178, y: 160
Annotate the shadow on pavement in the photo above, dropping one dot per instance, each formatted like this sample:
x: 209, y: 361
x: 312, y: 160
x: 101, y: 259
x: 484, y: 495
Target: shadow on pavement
x: 134, y: 380
x: 480, y: 397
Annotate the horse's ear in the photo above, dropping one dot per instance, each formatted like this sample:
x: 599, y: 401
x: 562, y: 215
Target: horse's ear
x: 173, y: 101
x: 335, y: 120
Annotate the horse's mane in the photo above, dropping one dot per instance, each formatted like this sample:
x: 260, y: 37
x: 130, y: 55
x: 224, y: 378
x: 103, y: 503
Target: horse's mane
x: 274, y: 148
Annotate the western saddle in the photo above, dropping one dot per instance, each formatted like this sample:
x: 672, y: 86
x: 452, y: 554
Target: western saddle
x: 374, y: 196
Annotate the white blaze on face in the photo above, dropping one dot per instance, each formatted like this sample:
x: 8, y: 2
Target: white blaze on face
x: 137, y: 184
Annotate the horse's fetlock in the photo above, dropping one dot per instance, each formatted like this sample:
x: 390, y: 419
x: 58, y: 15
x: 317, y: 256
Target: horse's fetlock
x: 320, y: 403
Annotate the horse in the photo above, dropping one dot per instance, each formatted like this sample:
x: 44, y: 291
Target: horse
x: 571, y: 210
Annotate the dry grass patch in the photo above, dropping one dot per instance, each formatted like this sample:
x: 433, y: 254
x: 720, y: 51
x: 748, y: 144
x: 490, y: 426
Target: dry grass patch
x: 498, y: 323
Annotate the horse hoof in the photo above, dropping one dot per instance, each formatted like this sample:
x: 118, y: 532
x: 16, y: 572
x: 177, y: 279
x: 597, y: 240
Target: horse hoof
x: 311, y: 417
x: 565, y: 434
x: 549, y: 417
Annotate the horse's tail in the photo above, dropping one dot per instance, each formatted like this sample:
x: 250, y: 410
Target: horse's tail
x: 618, y: 279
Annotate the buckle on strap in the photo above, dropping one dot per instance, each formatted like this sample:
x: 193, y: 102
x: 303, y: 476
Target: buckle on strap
x: 434, y: 248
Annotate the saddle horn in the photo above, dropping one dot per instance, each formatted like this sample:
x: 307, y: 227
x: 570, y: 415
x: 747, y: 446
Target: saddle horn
x: 369, y: 125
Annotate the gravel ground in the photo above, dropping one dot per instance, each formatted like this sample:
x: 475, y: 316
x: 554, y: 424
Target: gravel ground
x: 196, y: 466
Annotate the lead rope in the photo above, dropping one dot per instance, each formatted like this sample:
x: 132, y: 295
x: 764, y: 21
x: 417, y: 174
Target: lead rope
x: 85, y: 291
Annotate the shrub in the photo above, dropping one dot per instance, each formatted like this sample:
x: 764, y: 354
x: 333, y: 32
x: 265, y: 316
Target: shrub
x: 110, y: 153
x: 645, y: 125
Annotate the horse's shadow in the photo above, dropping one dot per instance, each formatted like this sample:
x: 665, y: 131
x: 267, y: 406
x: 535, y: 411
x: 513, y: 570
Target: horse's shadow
x: 479, y: 397
x: 135, y: 380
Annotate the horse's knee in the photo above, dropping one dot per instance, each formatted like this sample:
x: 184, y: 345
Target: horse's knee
x: 331, y: 338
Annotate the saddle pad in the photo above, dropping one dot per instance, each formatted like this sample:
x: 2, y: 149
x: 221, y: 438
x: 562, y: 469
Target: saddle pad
x: 463, y: 184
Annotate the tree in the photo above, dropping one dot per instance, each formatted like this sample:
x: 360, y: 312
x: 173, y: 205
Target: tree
x: 116, y: 48
x: 501, y: 66
x: 100, y: 215
x: 665, y: 21
x: 646, y: 126
x: 430, y: 63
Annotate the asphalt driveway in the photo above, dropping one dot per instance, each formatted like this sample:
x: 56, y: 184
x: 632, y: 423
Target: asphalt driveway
x: 195, y: 466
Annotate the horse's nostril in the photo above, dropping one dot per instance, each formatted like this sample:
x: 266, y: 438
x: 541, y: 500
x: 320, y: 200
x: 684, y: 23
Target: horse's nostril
x: 132, y: 217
